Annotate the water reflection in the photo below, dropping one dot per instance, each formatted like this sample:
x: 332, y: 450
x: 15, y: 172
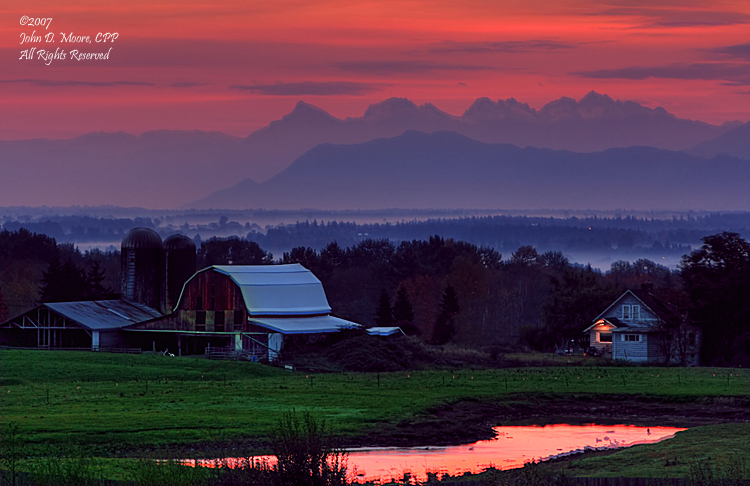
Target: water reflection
x: 512, y: 447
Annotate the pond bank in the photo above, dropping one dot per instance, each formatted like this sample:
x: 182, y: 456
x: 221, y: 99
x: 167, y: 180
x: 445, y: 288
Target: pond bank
x: 467, y: 421
x: 471, y: 420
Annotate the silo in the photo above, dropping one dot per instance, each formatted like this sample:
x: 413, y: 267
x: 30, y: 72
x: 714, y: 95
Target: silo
x: 142, y: 268
x: 179, y: 266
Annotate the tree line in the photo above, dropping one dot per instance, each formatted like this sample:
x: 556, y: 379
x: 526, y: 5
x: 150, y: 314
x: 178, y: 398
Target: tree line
x: 438, y: 288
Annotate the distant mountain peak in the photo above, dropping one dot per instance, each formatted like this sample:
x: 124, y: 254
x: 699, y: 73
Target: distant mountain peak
x: 306, y: 112
x: 564, y: 107
x: 485, y: 109
x: 594, y: 97
x: 389, y: 107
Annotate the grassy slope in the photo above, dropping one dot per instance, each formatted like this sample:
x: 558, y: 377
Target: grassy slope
x: 722, y: 447
x: 112, y: 404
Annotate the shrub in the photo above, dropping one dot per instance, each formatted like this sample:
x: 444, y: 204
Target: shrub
x: 305, y: 453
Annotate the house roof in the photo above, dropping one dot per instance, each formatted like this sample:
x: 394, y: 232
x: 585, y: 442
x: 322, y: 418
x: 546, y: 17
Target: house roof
x: 609, y: 320
x: 276, y: 290
x: 104, y: 314
x: 303, y: 325
x: 644, y: 297
x: 657, y: 305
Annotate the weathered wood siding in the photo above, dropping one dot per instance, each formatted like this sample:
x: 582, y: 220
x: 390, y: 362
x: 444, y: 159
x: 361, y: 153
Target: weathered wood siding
x: 636, y: 351
x: 211, y: 294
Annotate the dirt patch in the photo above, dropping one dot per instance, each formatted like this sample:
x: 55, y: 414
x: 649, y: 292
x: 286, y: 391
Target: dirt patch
x: 467, y: 421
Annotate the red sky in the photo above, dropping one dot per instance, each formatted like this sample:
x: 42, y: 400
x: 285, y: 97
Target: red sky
x: 233, y: 66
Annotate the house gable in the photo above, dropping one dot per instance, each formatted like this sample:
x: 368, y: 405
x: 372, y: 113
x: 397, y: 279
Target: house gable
x: 631, y: 311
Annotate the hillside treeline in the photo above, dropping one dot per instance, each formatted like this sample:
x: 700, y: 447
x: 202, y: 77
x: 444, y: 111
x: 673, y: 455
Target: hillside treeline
x: 620, y: 237
x: 35, y: 268
x: 439, y: 289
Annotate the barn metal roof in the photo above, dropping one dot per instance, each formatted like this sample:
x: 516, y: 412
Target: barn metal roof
x: 303, y: 325
x: 104, y: 314
x: 277, y: 290
x: 384, y: 331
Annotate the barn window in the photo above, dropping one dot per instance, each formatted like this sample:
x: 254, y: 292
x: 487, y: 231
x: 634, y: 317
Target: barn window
x: 238, y: 317
x: 631, y: 337
x: 605, y: 337
x: 219, y: 321
x: 199, y: 302
x: 200, y: 321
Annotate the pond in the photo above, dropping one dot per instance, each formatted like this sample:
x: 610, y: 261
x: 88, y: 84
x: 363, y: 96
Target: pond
x: 512, y: 447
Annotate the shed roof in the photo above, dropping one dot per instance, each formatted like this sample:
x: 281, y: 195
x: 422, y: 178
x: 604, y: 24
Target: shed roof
x: 384, y: 331
x: 104, y: 314
x: 303, y: 325
x: 277, y: 290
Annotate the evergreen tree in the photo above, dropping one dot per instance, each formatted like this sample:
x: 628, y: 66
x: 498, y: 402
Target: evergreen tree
x: 384, y: 314
x: 445, y: 326
x: 95, y: 278
x: 402, y: 309
x: 64, y: 283
x: 403, y: 312
x: 3, y: 307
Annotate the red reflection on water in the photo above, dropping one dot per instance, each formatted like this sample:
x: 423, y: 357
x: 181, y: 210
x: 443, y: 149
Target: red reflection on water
x: 513, y: 447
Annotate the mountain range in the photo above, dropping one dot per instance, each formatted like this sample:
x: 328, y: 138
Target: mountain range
x: 449, y: 170
x: 165, y: 169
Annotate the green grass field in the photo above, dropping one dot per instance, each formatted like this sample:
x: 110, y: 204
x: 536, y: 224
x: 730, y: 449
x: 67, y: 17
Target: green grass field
x: 110, y: 405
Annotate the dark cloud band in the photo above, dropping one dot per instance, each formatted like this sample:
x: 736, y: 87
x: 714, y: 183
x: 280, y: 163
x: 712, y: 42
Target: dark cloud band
x: 506, y: 47
x: 734, y: 74
x: 396, y: 67
x: 312, y: 88
x: 48, y: 82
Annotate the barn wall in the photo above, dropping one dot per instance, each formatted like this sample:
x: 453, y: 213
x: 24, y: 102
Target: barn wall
x: 210, y: 295
x: 111, y: 339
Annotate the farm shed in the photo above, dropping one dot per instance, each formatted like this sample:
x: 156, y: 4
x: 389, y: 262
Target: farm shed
x: 89, y: 324
x: 152, y: 274
x: 640, y: 327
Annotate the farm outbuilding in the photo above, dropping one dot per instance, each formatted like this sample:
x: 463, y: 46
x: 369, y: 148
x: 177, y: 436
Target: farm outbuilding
x: 88, y: 324
x: 249, y: 308
x: 166, y: 305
